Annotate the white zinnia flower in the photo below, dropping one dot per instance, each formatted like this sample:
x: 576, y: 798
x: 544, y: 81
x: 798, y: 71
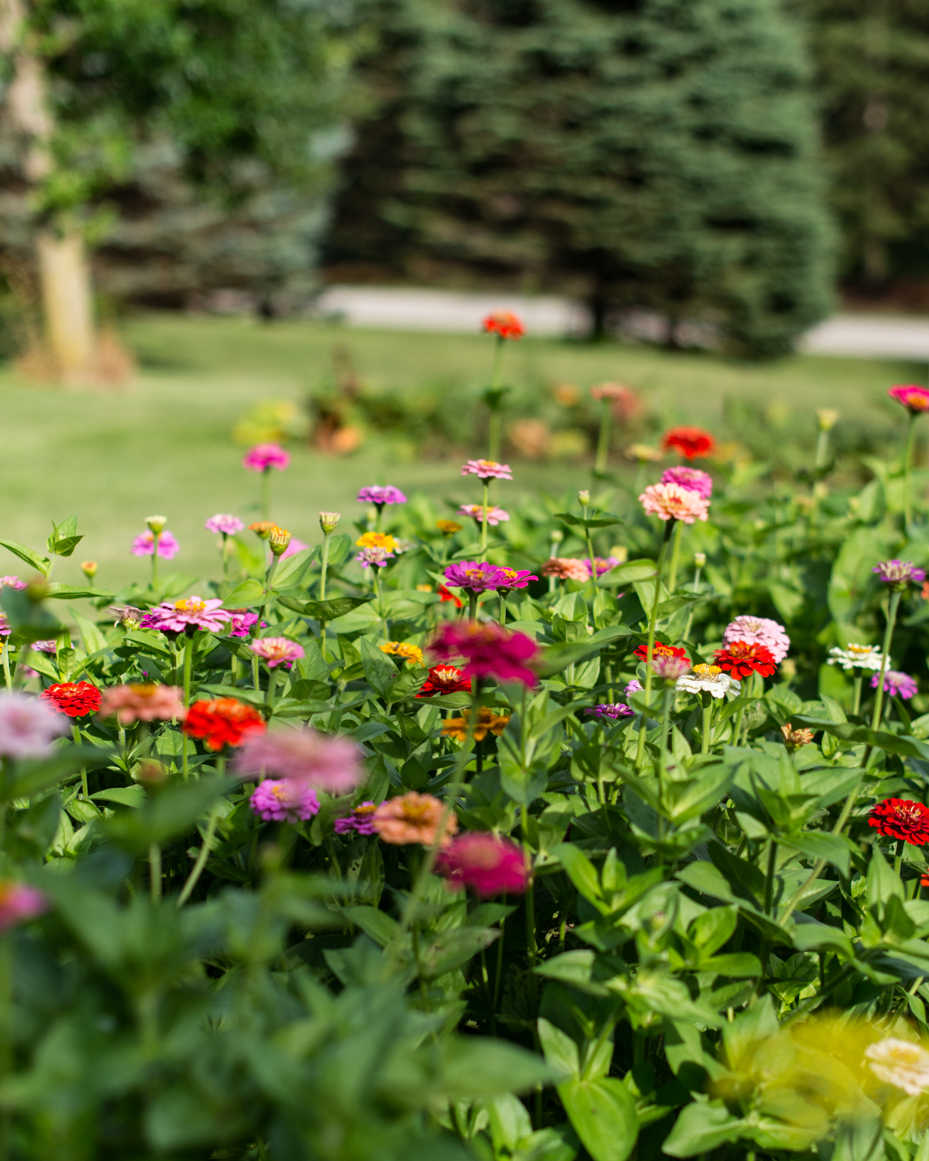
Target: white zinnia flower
x: 901, y: 1063
x: 855, y: 656
x: 708, y: 679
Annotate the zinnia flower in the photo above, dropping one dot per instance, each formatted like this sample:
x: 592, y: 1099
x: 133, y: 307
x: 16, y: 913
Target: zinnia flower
x: 690, y: 442
x: 914, y: 399
x: 327, y: 761
x: 505, y: 324
x: 11, y: 582
x: 73, y: 698
x: 659, y: 650
x: 381, y: 495
x: 855, y: 656
x: 241, y: 621
x: 261, y: 528
x: 512, y: 578
x: 672, y: 502
x: 127, y: 616
x: 642, y: 452
x: 667, y: 667
x: 488, y: 722
x: 361, y: 820
x: 690, y: 478
x: 224, y: 524
x: 474, y: 576
x: 19, y: 902
x: 742, y: 658
x: 602, y: 565
x: 708, y: 679
x: 224, y: 721
x: 450, y: 527
x: 144, y: 545
x: 896, y: 684
x: 410, y: 653
x: 374, y: 556
x: 566, y: 568
x: 445, y: 679
x: 281, y: 800
x: 610, y: 709
x: 265, y: 456
x: 377, y: 540
x: 634, y: 686
x: 900, y: 1063
x: 486, y: 470
x: 794, y: 739
x: 899, y: 573
x: 275, y: 651
x: 614, y: 391
x: 485, y: 863
x: 902, y: 819
x: 192, y: 612
x: 414, y: 818
x: 50, y: 646
x: 27, y: 726
x: 759, y: 631
x: 489, y: 651
x: 476, y: 512
x: 329, y: 521
x: 142, y: 703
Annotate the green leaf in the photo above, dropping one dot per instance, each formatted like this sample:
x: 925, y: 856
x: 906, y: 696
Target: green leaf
x: 602, y: 1113
x: 92, y: 638
x: 377, y: 925
x: 560, y: 1050
x: 31, y: 621
x: 326, y: 610
x: 631, y: 570
x: 69, y: 593
x: 902, y: 744
x: 290, y: 572
x: 32, y: 775
x: 39, y: 563
x: 379, y: 670
x: 818, y: 845
x: 601, y: 520
x: 479, y: 1066
x: 173, y: 811
x: 702, y: 1126
x: 246, y: 595
x: 123, y: 795
x: 581, y: 871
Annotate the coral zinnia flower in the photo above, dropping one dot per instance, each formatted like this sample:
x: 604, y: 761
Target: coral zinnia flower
x: 283, y: 800
x: 660, y: 650
x: 445, y: 679
x: 690, y: 442
x: 672, y: 502
x: 902, y: 819
x: 759, y: 631
x: 265, y: 456
x: 400, y: 649
x: 794, y: 739
x: 361, y: 820
x: 691, y: 478
x: 485, y: 863
x: 505, y: 324
x: 489, y: 651
x: 414, y: 818
x: 327, y: 761
x: 224, y: 721
x: 142, y: 703
x: 566, y: 568
x: 742, y: 658
x: 914, y: 399
x: 380, y: 495
x: 488, y: 722
x: 477, y: 512
x: 73, y: 698
x: 275, y: 651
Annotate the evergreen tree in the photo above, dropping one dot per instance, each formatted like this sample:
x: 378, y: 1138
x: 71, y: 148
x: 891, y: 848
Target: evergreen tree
x: 651, y: 153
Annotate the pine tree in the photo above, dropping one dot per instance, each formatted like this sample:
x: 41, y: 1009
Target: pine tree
x: 646, y: 153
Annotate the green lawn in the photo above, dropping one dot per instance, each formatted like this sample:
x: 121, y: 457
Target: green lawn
x: 163, y: 443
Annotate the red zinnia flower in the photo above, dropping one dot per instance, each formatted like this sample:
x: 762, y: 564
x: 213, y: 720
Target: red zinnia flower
x: 445, y: 679
x: 659, y: 650
x: 505, y: 324
x: 690, y: 442
x: 222, y: 722
x: 489, y: 651
x: 903, y: 819
x: 741, y: 658
x: 447, y: 595
x: 74, y: 698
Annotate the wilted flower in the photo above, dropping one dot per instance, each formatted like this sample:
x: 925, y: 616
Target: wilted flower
x: 900, y: 1063
x: 275, y: 651
x: 486, y: 470
x: 826, y: 418
x: 361, y: 820
x: 611, y: 709
x: 11, y: 582
x: 902, y: 819
x: 329, y: 521
x: 74, y: 698
x: 566, y: 568
x: 488, y: 722
x: 450, y: 527
x: 224, y: 525
x: 708, y: 679
x: 142, y: 703
x: 489, y: 651
x: 192, y: 612
x: 914, y: 399
x: 265, y: 456
x: 504, y: 324
x: 326, y: 761
x: 27, y: 726
x: 794, y: 739
x: 485, y: 863
x: 742, y: 658
x: 759, y: 631
x: 445, y: 679
x: 19, y: 902
x: 401, y: 649
x: 690, y: 442
x: 414, y: 818
x: 381, y: 495
x: 855, y: 656
x: 477, y: 512
x: 667, y: 667
x: 144, y: 545
x: 693, y: 479
x: 474, y: 576
x: 672, y: 502
x: 224, y: 721
x: 899, y: 573
x: 127, y: 616
x: 282, y: 800
x: 897, y: 684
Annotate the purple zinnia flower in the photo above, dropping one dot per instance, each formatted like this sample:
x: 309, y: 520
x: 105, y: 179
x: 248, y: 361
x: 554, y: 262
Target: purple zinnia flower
x: 380, y: 496
x: 690, y: 478
x: 28, y: 726
x: 224, y: 524
x: 634, y: 686
x: 144, y: 545
x: 283, y: 800
x: 899, y: 573
x: 361, y: 820
x: 759, y: 631
x: 176, y: 616
x: 897, y: 684
x: 265, y: 456
x: 611, y: 709
x: 49, y: 646
x: 476, y: 577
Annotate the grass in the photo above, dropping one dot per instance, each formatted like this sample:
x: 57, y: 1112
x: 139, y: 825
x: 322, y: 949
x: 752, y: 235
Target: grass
x: 163, y: 443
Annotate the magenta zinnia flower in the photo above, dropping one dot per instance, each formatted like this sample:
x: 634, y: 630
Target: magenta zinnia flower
x: 282, y: 800
x: 487, y: 470
x: 672, y: 502
x: 241, y: 621
x: 914, y: 399
x: 277, y: 651
x: 899, y: 573
x: 690, y: 478
x: 193, y: 612
x: 224, y: 524
x: 611, y: 709
x: 475, y: 576
x: 513, y: 578
x: 380, y: 495
x: 897, y: 684
x: 28, y: 726
x: 485, y: 863
x: 11, y: 582
x: 361, y: 820
x: 326, y: 761
x: 476, y: 512
x: 759, y: 631
x: 488, y: 651
x: 604, y: 564
x: 265, y: 456
x: 144, y: 545
x: 19, y: 902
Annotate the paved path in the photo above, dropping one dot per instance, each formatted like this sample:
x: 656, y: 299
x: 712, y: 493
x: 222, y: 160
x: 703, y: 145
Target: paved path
x: 866, y: 336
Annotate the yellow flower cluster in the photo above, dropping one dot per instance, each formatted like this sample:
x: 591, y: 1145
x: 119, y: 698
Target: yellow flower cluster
x: 411, y: 653
x: 377, y: 540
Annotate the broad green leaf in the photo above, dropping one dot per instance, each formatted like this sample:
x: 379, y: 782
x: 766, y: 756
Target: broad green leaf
x: 602, y: 1113
x: 581, y: 871
x: 831, y: 848
x: 627, y: 573
x: 326, y: 610
x: 123, y: 795
x: 246, y: 595
x: 39, y: 563
x: 702, y: 1127
x: 69, y: 593
x: 478, y: 1066
x: 560, y: 1050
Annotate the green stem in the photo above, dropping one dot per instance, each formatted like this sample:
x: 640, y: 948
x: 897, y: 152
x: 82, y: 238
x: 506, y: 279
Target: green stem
x: 484, y: 521
x: 225, y: 553
x: 675, y: 555
x: 910, y: 440
x: 324, y: 565
x: 204, y: 853
x: 472, y: 605
x: 266, y: 493
x: 893, y: 605
x: 503, y: 596
x: 498, y: 975
x: 603, y: 438
x: 271, y: 690
x: 5, y: 655
x: 652, y: 621
x: 898, y: 856
x: 76, y: 735
x: 157, y: 537
x: 532, y: 948
x: 154, y: 871
x: 6, y: 1033
x: 769, y: 878
x: 856, y: 704
x: 707, y: 699
x: 822, y: 452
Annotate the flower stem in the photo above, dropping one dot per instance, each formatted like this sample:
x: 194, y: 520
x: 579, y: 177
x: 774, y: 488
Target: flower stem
x: 154, y: 871
x: 652, y: 621
x: 225, y: 554
x: 769, y: 878
x: 207, y: 845
x: 707, y: 720
x: 472, y: 605
x: 76, y: 735
x: 157, y: 537
x: 5, y: 655
x: 484, y: 521
x: 675, y: 555
x: 266, y: 493
x: 603, y: 438
x: 324, y: 565
x: 898, y: 856
x: 856, y: 705
x: 503, y: 596
x: 907, y: 463
x: 892, y: 606
x: 271, y: 690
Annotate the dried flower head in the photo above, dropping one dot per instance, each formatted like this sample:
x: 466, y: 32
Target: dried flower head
x: 127, y: 616
x: 414, y: 818
x: 795, y: 738
x: 488, y: 722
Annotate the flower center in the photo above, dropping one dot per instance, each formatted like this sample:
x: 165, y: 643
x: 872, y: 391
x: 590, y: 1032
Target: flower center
x: 147, y: 689
x: 707, y: 670
x: 415, y: 813
x: 191, y: 605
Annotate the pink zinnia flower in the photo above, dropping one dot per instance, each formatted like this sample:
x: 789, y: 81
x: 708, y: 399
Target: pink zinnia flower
x: 19, y: 902
x: 265, y: 456
x: 566, y: 568
x: 690, y: 478
x: 668, y: 666
x: 374, y: 556
x: 144, y: 545
x: 488, y: 651
x: 224, y: 524
x: 634, y: 686
x: 277, y: 651
x: 11, y: 582
x: 899, y: 573
x: 326, y: 761
x: 293, y: 548
x: 897, y: 684
x: 603, y: 564
x: 485, y: 863
x: 50, y: 646
x: 142, y: 703
x: 486, y: 470
x: 381, y: 495
x: 513, y: 578
x: 475, y: 576
x: 361, y: 820
x: 476, y: 512
x: 28, y: 726
x: 241, y: 621
x: 759, y: 631
x: 282, y: 800
x: 192, y: 612
x: 672, y: 502
x: 611, y: 709
x: 914, y: 399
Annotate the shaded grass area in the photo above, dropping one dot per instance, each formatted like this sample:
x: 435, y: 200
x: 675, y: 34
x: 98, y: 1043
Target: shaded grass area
x: 163, y: 444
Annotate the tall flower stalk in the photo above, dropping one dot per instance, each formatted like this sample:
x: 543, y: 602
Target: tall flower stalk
x: 652, y: 623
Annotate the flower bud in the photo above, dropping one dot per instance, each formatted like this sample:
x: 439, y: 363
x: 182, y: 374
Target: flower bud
x: 261, y: 528
x: 37, y: 589
x: 699, y: 559
x: 826, y: 418
x: 156, y: 524
x: 556, y: 536
x: 328, y: 521
x: 583, y: 497
x: 89, y: 568
x: 278, y: 539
